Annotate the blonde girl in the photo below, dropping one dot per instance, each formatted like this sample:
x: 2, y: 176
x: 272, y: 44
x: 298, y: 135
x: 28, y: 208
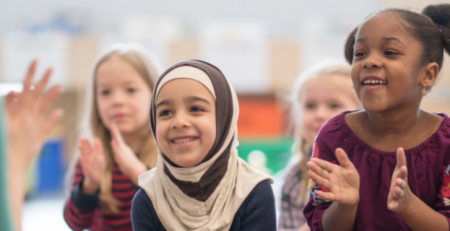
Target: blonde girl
x: 318, y: 94
x: 120, y: 145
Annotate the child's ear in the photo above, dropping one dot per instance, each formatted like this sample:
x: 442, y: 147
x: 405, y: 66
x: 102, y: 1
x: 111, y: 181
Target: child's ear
x: 429, y: 77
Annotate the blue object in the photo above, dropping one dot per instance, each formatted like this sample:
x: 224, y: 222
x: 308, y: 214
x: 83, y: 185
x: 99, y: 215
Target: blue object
x: 50, y: 167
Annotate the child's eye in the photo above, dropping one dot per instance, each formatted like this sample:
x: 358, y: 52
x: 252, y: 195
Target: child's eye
x: 165, y: 113
x: 359, y: 54
x: 105, y: 92
x: 335, y: 106
x: 131, y: 90
x: 390, y: 53
x: 196, y: 109
x: 310, y: 106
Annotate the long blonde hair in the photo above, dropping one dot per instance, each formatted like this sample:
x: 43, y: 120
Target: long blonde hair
x: 330, y: 70
x: 92, y: 123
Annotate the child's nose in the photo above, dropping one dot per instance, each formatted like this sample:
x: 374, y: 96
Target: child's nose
x: 372, y: 61
x: 321, y: 113
x: 180, y: 121
x: 118, y: 98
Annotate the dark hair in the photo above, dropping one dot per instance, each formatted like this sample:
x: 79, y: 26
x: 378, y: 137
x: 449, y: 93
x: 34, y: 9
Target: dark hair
x: 431, y: 29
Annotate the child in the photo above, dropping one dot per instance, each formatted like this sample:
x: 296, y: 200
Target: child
x: 396, y: 56
x: 199, y: 183
x: 105, y: 178
x: 318, y: 94
x: 24, y: 127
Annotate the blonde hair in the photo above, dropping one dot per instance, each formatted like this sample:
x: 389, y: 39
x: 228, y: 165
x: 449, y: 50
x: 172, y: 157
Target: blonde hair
x: 92, y: 124
x: 332, y: 70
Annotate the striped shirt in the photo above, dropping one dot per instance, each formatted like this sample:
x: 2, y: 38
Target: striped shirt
x: 83, y: 211
x: 291, y: 214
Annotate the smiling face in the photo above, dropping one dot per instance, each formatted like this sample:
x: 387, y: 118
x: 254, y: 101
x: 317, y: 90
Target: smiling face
x: 123, y: 97
x: 386, y: 69
x: 322, y: 99
x: 185, y: 121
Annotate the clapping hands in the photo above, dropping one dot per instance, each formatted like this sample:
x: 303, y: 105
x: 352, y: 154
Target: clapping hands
x: 341, y: 182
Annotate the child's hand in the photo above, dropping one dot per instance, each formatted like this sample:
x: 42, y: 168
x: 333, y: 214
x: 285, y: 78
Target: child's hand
x: 28, y: 125
x: 341, y: 182
x: 127, y: 161
x: 93, y: 163
x: 400, y: 194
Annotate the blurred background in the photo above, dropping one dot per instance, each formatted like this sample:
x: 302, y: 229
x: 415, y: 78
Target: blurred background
x: 261, y: 46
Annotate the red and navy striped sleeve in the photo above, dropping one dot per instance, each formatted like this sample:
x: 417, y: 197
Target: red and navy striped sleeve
x: 79, y: 211
x: 82, y: 211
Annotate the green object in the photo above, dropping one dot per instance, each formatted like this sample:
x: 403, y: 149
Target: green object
x: 5, y: 217
x: 266, y: 155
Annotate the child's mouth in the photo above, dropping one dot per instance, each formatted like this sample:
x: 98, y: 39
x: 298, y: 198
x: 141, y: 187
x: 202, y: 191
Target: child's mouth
x: 183, y: 140
x: 373, y: 82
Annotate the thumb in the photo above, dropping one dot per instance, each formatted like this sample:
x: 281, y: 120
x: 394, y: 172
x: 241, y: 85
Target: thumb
x: 343, y: 159
x: 401, y: 158
x: 116, y: 134
x: 98, y: 146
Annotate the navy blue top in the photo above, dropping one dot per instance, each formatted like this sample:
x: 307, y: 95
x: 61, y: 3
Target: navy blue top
x: 257, y: 212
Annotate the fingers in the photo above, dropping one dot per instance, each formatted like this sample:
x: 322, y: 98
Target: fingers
x: 116, y: 134
x: 9, y: 100
x: 39, y: 88
x: 343, y: 159
x: 49, y: 99
x: 85, y: 147
x: 323, y: 164
x: 319, y: 170
x: 98, y: 146
x: 29, y: 77
x: 324, y: 183
x: 326, y: 195
x: 401, y: 158
x: 51, y: 121
x: 393, y: 205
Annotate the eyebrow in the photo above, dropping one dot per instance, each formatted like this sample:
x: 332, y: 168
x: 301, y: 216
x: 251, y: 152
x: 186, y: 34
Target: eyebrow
x: 387, y: 39
x: 393, y: 39
x: 164, y: 102
x: 191, y: 99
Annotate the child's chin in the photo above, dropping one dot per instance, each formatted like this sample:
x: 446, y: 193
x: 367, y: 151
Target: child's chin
x: 187, y: 162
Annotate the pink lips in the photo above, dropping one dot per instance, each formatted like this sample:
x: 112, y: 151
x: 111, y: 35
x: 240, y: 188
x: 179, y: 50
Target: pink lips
x: 119, y: 117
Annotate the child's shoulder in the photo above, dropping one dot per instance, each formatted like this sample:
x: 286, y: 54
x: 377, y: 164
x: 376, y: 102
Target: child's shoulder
x: 336, y: 126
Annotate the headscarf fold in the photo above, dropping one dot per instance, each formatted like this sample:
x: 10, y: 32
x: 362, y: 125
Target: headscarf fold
x: 207, y: 196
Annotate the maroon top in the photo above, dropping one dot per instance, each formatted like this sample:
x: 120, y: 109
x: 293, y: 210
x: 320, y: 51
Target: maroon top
x: 428, y: 175
x: 82, y: 211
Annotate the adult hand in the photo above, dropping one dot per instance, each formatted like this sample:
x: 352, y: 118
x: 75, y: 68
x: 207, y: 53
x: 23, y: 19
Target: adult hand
x: 126, y: 159
x: 341, y: 182
x: 28, y: 125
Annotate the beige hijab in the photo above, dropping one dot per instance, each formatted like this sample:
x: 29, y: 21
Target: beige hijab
x: 205, y: 197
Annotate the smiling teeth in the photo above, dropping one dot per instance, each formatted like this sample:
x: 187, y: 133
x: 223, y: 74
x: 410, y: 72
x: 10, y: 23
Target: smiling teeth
x: 183, y: 140
x: 374, y: 82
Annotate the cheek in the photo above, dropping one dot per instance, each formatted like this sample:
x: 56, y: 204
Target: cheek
x: 160, y: 136
x: 102, y: 105
x: 141, y: 109
x: 208, y: 132
x: 308, y: 118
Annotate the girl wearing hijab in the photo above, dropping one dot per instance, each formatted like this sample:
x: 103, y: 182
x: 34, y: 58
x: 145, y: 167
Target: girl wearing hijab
x: 199, y: 182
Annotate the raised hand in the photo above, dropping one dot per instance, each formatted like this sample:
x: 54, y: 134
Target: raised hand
x: 93, y: 163
x: 28, y: 125
x: 400, y: 194
x: 341, y: 182
x: 126, y: 159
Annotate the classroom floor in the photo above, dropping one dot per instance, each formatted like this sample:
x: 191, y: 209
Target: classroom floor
x: 44, y: 213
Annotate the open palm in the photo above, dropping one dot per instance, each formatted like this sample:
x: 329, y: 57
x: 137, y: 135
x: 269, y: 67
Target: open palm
x: 341, y: 183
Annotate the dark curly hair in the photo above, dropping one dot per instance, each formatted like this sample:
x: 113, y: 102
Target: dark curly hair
x: 431, y: 29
